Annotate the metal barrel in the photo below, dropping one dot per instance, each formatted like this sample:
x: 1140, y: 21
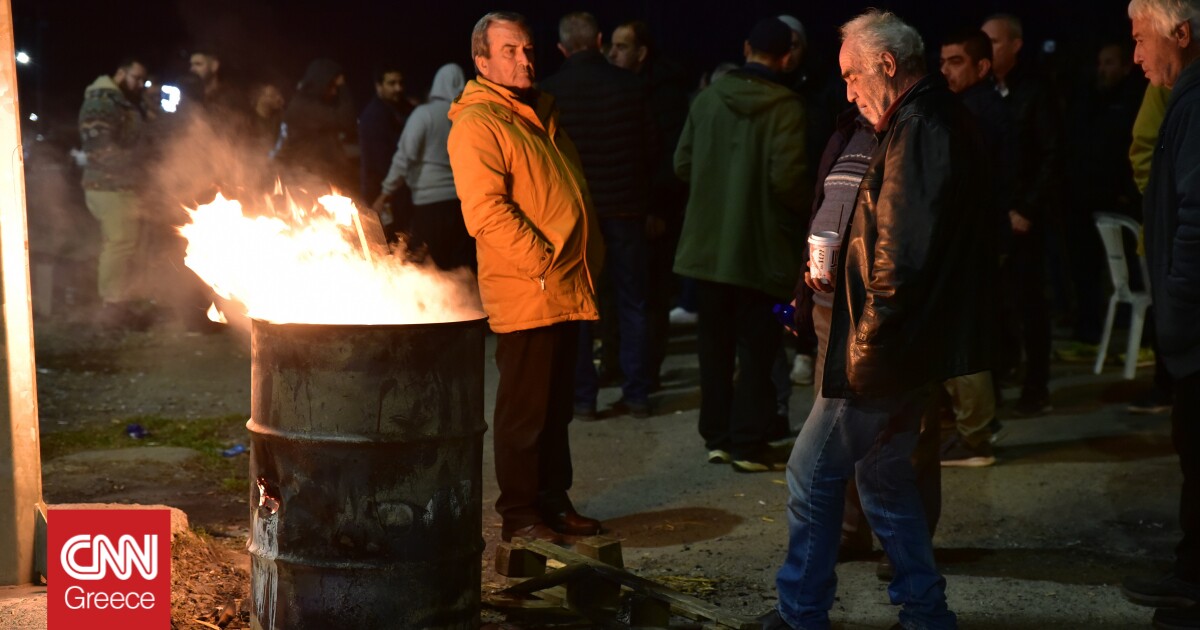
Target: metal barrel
x: 366, y: 457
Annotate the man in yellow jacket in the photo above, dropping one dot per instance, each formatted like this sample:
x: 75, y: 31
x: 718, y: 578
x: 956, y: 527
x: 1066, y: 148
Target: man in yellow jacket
x: 525, y: 200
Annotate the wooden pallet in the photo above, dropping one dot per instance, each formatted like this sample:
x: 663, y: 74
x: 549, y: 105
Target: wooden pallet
x: 592, y: 583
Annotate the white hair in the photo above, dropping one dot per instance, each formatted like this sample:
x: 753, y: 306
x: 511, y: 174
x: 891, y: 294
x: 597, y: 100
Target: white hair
x: 1166, y: 15
x: 876, y: 32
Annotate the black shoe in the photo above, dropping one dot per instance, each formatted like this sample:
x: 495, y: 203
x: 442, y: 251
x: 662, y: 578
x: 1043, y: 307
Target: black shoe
x: 1033, y: 404
x: 585, y: 413
x: 998, y: 431
x: 1153, y: 401
x: 1177, y: 618
x: 884, y: 570
x: 772, y: 621
x: 637, y: 409
x: 957, y: 453
x: 1168, y: 591
x: 780, y: 428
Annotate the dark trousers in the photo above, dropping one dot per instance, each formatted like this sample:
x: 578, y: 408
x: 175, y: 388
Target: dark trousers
x: 1026, y: 311
x: 625, y: 271
x: 533, y: 409
x: 440, y: 227
x: 736, y: 321
x: 660, y: 294
x: 1185, y: 434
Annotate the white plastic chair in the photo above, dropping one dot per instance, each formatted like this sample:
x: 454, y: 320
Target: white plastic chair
x: 1110, y: 226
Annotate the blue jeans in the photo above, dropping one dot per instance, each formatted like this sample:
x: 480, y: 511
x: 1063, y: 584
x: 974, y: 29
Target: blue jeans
x: 625, y: 267
x: 874, y: 440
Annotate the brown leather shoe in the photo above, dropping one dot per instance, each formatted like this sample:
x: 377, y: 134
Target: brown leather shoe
x: 537, y: 531
x: 572, y: 523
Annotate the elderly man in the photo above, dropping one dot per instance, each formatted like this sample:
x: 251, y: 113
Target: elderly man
x: 907, y: 312
x: 1165, y: 33
x: 525, y: 200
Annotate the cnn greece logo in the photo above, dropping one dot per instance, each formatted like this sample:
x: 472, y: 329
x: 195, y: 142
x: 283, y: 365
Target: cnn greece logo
x: 111, y: 569
x: 122, y: 557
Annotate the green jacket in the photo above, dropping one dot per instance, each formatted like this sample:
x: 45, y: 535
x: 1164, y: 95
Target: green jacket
x: 1145, y: 133
x: 742, y: 154
x: 110, y: 128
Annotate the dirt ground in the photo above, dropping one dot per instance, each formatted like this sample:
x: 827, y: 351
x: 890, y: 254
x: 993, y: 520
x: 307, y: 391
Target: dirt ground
x: 1080, y: 498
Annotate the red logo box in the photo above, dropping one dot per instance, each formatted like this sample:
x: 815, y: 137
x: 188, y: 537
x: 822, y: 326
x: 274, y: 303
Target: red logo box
x: 108, y: 569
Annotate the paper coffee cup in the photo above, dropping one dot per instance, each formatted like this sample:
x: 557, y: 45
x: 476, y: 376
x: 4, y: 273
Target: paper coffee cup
x: 823, y: 255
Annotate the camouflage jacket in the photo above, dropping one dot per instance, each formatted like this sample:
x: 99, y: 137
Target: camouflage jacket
x: 110, y: 128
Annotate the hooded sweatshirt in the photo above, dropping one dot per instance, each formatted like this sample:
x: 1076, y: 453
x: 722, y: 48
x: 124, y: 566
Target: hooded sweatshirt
x: 110, y: 130
x: 526, y: 203
x: 422, y: 160
x: 742, y: 153
x: 314, y: 124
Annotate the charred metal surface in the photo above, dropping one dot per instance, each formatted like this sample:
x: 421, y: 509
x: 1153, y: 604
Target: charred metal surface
x: 366, y: 451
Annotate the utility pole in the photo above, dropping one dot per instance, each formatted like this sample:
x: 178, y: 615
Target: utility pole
x: 21, y: 507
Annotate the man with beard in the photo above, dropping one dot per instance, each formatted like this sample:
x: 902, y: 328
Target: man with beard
x: 379, y: 127
x: 110, y: 129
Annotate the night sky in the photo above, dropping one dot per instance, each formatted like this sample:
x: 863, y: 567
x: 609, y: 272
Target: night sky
x: 73, y: 41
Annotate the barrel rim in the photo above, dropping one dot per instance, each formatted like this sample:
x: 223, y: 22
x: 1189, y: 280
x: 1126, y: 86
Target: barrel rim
x: 312, y: 326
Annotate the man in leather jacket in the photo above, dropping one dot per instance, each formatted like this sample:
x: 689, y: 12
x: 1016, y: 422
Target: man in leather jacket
x: 909, y: 311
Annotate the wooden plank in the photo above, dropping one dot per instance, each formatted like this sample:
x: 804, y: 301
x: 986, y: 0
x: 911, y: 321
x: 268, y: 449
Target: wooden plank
x: 554, y: 578
x: 683, y: 605
x: 518, y: 562
x: 602, y: 548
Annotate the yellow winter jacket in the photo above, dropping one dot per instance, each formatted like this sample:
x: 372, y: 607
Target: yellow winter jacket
x: 525, y: 200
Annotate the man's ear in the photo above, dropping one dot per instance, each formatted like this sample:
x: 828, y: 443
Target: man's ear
x: 216, y: 65
x: 563, y: 49
x: 1017, y: 44
x: 642, y: 53
x: 887, y: 63
x: 1183, y: 34
x: 983, y: 67
x: 746, y: 49
x: 481, y: 65
x: 599, y: 41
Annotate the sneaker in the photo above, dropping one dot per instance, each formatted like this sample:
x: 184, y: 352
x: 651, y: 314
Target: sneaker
x: 957, y: 453
x: 717, y: 456
x: 1153, y: 401
x: 1029, y: 405
x: 763, y: 463
x: 1168, y: 591
x: 633, y: 408
x: 802, y: 370
x: 680, y: 316
x: 998, y: 431
x: 1177, y: 618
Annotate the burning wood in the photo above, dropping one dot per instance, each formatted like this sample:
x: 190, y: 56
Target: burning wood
x: 328, y: 263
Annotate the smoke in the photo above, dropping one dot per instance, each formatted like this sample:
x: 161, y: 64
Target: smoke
x: 278, y: 253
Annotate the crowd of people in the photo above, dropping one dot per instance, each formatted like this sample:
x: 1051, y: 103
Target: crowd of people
x: 601, y: 202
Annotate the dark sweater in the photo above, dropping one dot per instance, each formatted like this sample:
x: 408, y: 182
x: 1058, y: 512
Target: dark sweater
x: 603, y: 109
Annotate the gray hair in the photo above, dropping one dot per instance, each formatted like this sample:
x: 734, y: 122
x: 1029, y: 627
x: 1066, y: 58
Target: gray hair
x: 876, y: 32
x: 577, y: 31
x: 479, y: 40
x: 1015, y: 30
x: 1166, y: 15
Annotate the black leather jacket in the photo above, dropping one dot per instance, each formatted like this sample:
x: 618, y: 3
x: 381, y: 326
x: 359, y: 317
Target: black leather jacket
x: 912, y: 302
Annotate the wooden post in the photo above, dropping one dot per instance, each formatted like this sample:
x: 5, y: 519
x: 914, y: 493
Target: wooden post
x: 20, y: 455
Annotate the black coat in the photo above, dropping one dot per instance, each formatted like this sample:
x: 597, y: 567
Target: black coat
x: 1172, y: 207
x: 604, y: 110
x: 1039, y: 142
x: 912, y: 304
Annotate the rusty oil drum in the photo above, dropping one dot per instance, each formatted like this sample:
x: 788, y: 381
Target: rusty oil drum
x: 365, y: 472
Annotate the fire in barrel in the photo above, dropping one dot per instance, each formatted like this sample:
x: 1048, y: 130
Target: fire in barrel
x: 366, y: 418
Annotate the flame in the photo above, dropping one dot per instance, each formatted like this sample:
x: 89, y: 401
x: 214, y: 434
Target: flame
x: 293, y: 265
x: 215, y: 314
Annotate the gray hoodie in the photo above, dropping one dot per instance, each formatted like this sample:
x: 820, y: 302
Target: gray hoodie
x: 421, y: 157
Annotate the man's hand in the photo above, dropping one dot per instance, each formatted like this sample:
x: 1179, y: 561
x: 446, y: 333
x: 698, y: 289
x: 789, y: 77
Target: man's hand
x: 820, y: 286
x: 381, y: 204
x: 1020, y: 225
